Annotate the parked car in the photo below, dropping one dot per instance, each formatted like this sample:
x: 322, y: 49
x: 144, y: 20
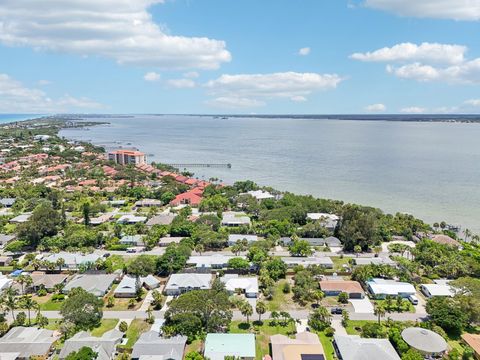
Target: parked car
x: 413, y: 299
x: 336, y: 311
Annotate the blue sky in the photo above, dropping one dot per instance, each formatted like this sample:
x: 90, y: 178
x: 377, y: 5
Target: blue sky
x: 249, y: 56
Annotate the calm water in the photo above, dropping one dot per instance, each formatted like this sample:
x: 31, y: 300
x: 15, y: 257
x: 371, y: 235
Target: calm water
x: 5, y: 118
x: 428, y: 169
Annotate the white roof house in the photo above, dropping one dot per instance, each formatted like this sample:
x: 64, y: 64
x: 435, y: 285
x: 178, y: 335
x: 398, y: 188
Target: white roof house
x: 128, y: 285
x: 233, y: 218
x: 131, y: 219
x: 380, y: 288
x: 260, y: 194
x: 330, y: 220
x: 215, y: 261
x: 28, y: 342
x: 323, y: 261
x: 437, y: 289
x: 180, y: 283
x: 132, y: 240
x: 233, y: 238
x: 353, y: 347
x: 248, y: 285
x: 5, y: 282
x: 360, y: 261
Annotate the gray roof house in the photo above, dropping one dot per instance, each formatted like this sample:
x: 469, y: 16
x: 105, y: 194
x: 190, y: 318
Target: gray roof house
x: 215, y: 261
x: 132, y: 240
x: 96, y: 284
x: 73, y: 260
x: 232, y: 218
x: 161, y: 219
x: 152, y: 345
x: 180, y: 283
x: 247, y: 285
x: 128, y: 286
x: 5, y: 239
x: 27, y: 342
x: 7, y: 202
x: 20, y: 219
x: 104, y: 346
x: 323, y: 261
x: 353, y: 347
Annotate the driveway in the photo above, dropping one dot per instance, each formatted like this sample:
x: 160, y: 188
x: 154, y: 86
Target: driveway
x: 363, y: 306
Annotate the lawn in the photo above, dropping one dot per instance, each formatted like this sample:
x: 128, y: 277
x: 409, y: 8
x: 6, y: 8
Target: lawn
x: 406, y: 305
x: 262, y: 333
x: 354, y: 326
x: 105, y: 325
x: 196, y: 345
x: 136, y: 328
x: 121, y: 304
x: 281, y: 301
x: 46, y: 303
x: 53, y: 324
x: 327, y: 345
x: 338, y: 262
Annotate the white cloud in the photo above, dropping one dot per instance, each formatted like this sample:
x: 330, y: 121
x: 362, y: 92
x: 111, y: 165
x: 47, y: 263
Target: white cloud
x: 151, y: 76
x: 191, y: 75
x: 226, y: 102
x: 290, y: 85
x: 413, y: 110
x: 473, y: 102
x: 298, y: 98
x: 15, y: 97
x: 439, y: 9
x: 122, y: 30
x: 376, y: 108
x: 181, y: 83
x: 434, y: 52
x: 304, y: 51
x: 467, y: 72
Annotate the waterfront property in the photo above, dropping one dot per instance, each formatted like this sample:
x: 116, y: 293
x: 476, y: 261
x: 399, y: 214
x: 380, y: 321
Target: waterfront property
x: 28, y: 342
x: 330, y: 221
x: 335, y: 287
x: 152, y: 345
x: 245, y: 285
x: 445, y: 240
x: 127, y: 157
x: 380, y: 288
x: 180, y: 283
x: 104, y: 346
x: 353, y: 347
x: 305, y: 345
x: 261, y: 195
x: 239, y: 346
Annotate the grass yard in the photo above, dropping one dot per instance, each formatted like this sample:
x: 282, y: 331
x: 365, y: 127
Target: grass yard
x: 327, y: 345
x: 136, y: 328
x: 53, y: 324
x: 105, y: 325
x: 338, y: 262
x: 281, y: 301
x: 406, y: 305
x: 46, y: 303
x: 121, y: 304
x: 262, y: 333
x: 354, y: 326
x: 196, y: 345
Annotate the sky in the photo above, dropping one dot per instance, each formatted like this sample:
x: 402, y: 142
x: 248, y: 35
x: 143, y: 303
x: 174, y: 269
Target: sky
x: 242, y: 57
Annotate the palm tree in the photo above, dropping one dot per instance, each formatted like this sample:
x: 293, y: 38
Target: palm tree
x: 318, y: 295
x: 199, y: 249
x: 60, y: 263
x: 10, y: 300
x: 261, y: 309
x: 25, y: 281
x: 467, y: 234
x: 380, y: 312
x: 246, y: 310
x: 29, y: 304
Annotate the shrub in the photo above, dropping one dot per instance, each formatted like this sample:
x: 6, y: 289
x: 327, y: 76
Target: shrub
x: 58, y: 297
x: 42, y: 292
x: 123, y: 326
x: 329, y: 331
x: 343, y: 298
x: 286, y: 288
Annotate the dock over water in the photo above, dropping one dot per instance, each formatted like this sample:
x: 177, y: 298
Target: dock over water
x: 226, y: 166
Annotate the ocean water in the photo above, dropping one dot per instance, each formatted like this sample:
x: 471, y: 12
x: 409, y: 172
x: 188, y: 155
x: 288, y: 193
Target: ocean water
x: 429, y: 169
x: 6, y: 118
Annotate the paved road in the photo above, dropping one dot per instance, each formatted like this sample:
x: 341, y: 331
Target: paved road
x: 296, y: 314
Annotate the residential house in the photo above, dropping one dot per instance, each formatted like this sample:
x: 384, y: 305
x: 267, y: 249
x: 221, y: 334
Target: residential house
x: 5, y: 282
x: 104, y: 346
x: 353, y: 347
x: 361, y: 261
x: 5, y: 239
x: 215, y: 261
x: 233, y: 238
x: 192, y: 197
x: 28, y: 342
x: 128, y: 286
x: 330, y: 221
x: 239, y: 346
x: 20, y: 219
x: 233, y: 218
x: 167, y: 240
x: 42, y: 280
x: 439, y: 288
x: 130, y: 219
x: 96, y: 284
x: 161, y: 219
x: 305, y: 345
x: 323, y: 261
x: 180, y: 283
x: 5, y: 260
x: 261, y: 195
x: 473, y: 340
x: 7, y: 202
x: 73, y: 261
x: 148, y: 203
x: 245, y: 285
x: 101, y: 219
x: 380, y: 288
x: 445, y: 240
x: 126, y: 157
x: 132, y: 240
x: 150, y: 345
x: 335, y: 287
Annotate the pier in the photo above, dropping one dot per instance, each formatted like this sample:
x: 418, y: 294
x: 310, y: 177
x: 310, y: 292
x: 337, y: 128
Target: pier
x: 226, y: 166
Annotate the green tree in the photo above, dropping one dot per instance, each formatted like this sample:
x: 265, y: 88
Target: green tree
x: 447, y: 313
x: 238, y: 263
x: 84, y: 353
x: 44, y: 221
x: 300, y: 248
x: 343, y: 298
x: 82, y: 309
x: 412, y: 354
x: 29, y: 304
x: 379, y: 311
x: 193, y: 355
x: 319, y: 319
x: 157, y: 299
x: 142, y: 265
x: 260, y: 309
x: 246, y: 310
x: 276, y: 268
